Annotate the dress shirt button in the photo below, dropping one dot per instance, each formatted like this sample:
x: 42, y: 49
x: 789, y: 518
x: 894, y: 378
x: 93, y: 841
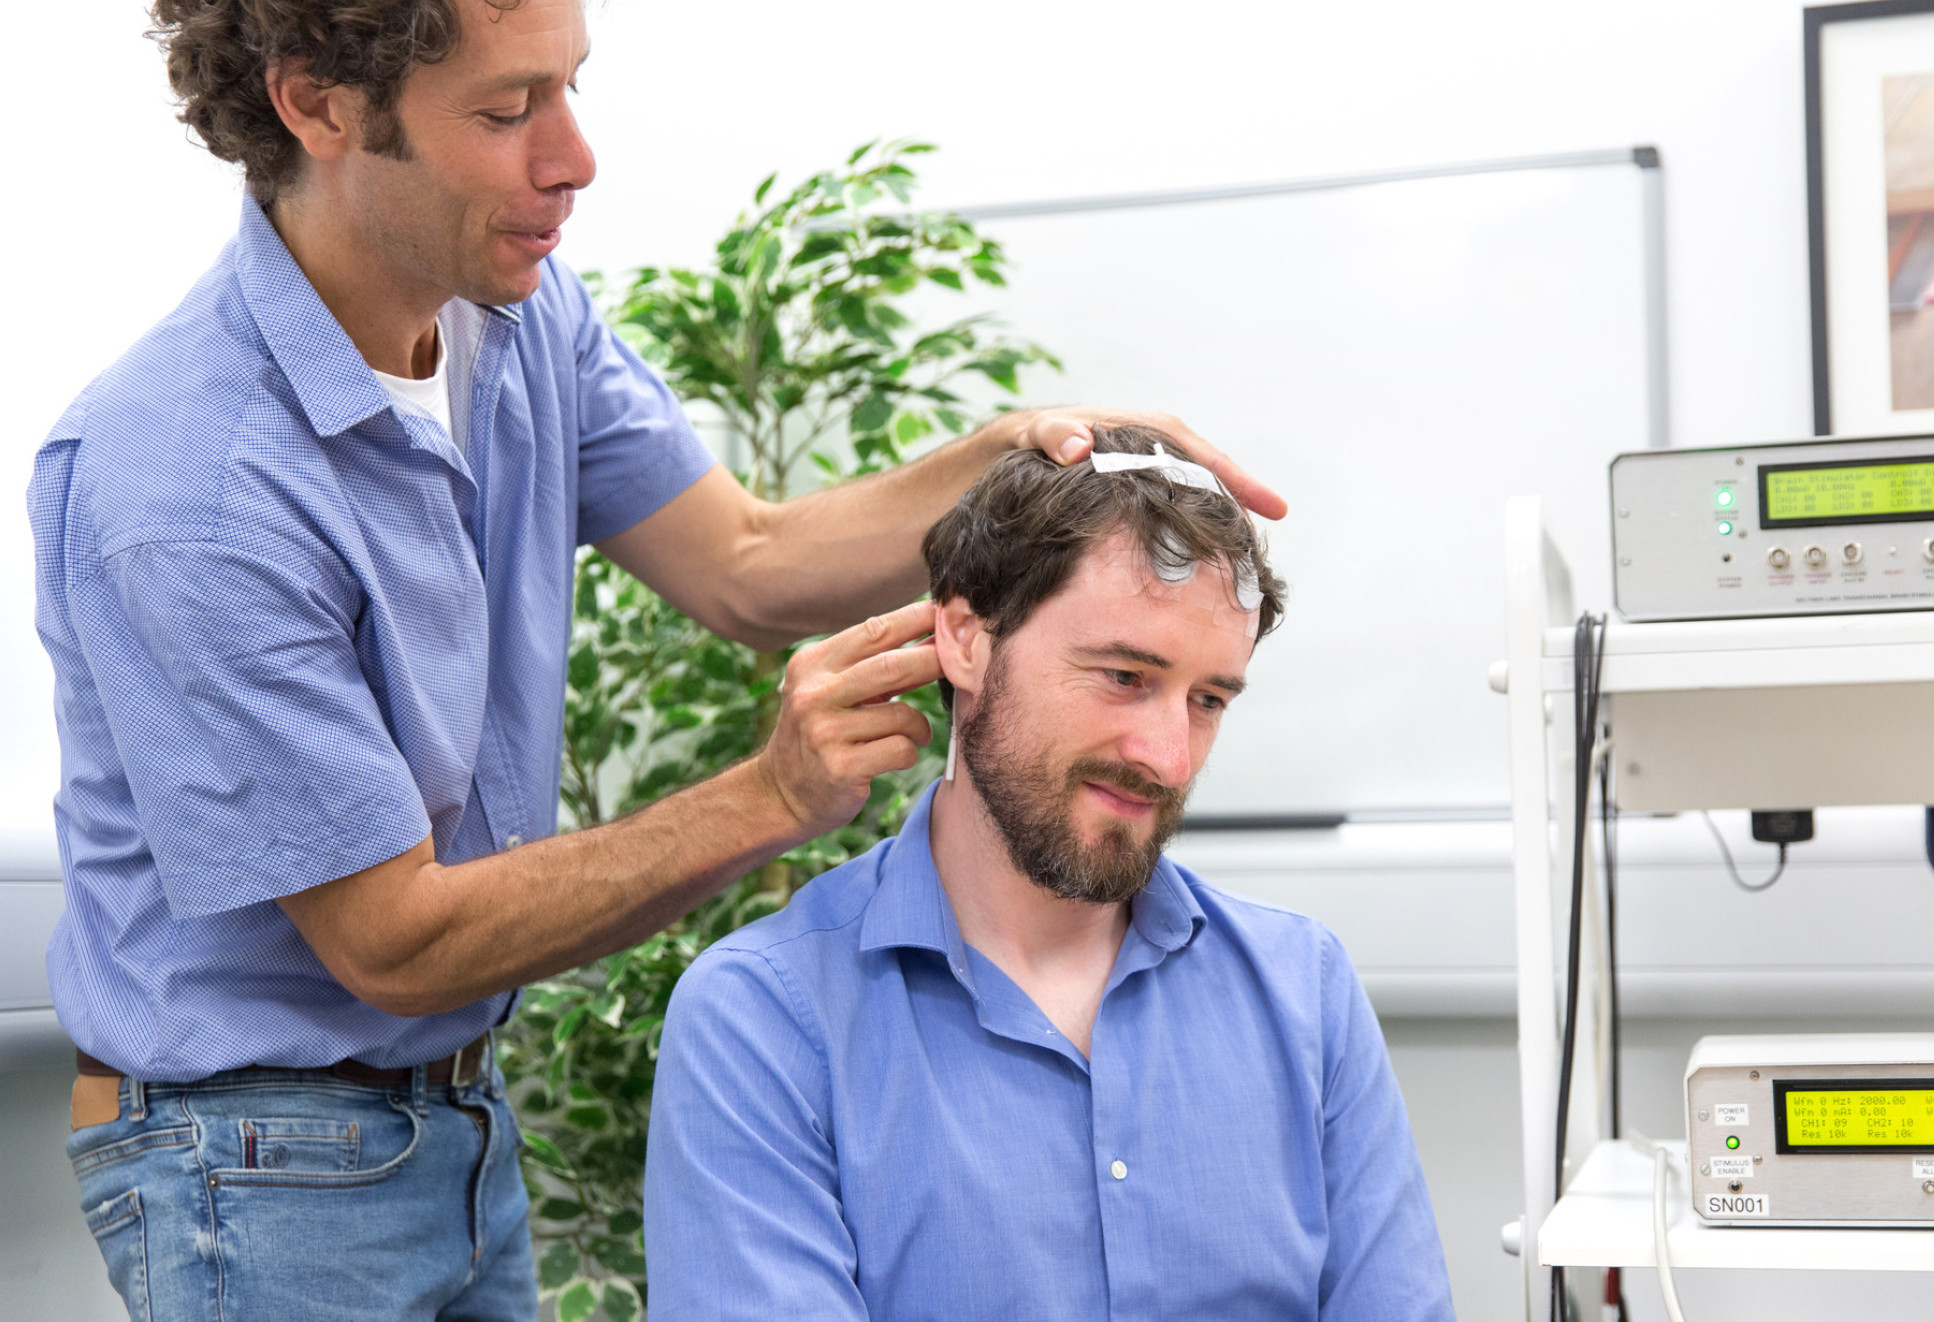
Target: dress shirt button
x: 512, y: 841
x: 1119, y: 1170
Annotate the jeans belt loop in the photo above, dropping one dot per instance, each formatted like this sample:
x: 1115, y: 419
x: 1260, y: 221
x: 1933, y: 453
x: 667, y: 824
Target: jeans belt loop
x: 137, y: 1099
x: 420, y: 1088
x: 457, y: 1078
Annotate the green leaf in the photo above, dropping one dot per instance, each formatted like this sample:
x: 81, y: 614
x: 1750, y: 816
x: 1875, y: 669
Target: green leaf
x: 872, y: 414
x: 860, y: 151
x: 940, y: 275
x: 627, y: 1222
x: 624, y: 1257
x: 558, y: 1209
x: 765, y: 186
x: 589, y: 1117
x: 546, y: 1153
x: 577, y: 1302
x: 558, y: 1265
x: 621, y: 1301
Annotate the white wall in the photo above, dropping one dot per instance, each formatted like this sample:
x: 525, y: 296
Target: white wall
x: 111, y: 214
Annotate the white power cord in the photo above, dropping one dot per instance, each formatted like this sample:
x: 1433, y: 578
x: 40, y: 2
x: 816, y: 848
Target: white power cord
x: 1661, y: 1250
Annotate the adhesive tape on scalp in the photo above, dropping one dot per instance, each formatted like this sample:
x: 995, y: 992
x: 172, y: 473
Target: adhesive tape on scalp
x: 1174, y: 469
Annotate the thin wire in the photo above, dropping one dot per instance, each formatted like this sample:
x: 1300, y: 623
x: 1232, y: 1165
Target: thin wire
x: 1661, y: 1248
x: 1587, y: 659
x: 1608, y: 835
x: 1733, y: 871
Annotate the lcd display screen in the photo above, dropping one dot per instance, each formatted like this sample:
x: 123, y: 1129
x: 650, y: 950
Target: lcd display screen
x: 1799, y: 495
x: 1855, y: 1115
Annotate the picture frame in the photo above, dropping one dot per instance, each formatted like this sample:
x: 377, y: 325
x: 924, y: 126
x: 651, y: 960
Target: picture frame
x: 1870, y: 215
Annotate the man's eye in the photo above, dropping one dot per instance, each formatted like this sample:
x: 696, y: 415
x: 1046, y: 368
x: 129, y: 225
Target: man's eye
x: 1125, y: 678
x: 508, y: 121
x: 1212, y: 702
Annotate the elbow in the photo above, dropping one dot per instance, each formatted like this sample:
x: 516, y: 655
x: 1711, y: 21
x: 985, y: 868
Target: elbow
x: 396, y: 986
x: 399, y: 995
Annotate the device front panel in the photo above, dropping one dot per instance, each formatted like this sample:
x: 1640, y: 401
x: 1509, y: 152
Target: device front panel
x: 1812, y: 1144
x: 1809, y: 528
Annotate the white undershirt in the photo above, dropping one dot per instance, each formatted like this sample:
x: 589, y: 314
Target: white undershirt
x: 430, y: 396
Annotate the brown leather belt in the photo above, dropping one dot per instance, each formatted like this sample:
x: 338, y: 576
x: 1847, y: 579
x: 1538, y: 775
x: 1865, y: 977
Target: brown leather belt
x: 464, y: 1066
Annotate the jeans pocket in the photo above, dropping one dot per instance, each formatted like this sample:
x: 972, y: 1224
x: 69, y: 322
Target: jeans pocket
x: 323, y: 1152
x: 119, y: 1229
x: 301, y: 1144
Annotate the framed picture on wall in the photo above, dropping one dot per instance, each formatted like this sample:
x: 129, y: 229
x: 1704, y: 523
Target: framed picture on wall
x: 1870, y: 202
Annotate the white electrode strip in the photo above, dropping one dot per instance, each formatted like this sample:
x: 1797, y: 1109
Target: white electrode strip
x: 1178, y: 570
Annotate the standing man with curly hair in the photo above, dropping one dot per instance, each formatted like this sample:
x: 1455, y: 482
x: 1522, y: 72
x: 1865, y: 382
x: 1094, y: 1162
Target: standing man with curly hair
x: 304, y: 564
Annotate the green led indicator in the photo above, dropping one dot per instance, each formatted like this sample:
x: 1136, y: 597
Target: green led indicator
x: 1732, y: 1140
x: 1725, y: 529
x: 1725, y: 497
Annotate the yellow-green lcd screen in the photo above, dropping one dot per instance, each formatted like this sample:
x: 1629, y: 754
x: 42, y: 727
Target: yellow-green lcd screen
x: 1848, y: 492
x: 1859, y: 1117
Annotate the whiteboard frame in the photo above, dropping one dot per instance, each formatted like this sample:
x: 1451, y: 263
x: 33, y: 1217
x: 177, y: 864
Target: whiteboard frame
x: 1652, y: 218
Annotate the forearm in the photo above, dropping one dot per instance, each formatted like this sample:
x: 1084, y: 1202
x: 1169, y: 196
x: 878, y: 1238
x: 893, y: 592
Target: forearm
x: 452, y: 935
x: 838, y: 555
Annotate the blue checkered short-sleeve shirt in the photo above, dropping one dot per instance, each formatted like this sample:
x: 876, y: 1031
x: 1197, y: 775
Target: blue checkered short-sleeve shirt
x: 295, y: 631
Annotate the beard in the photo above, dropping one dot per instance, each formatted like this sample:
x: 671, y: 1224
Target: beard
x: 1032, y: 805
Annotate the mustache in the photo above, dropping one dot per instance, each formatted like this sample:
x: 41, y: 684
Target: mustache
x: 1124, y: 777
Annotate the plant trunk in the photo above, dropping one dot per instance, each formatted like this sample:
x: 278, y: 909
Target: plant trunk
x: 775, y: 877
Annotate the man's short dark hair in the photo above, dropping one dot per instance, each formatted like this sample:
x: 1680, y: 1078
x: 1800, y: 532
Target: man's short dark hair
x: 219, y: 52
x: 1014, y: 539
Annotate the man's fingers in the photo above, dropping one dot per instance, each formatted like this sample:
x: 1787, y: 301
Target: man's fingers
x: 884, y: 676
x: 882, y: 633
x: 867, y: 725
x: 1249, y: 492
x: 1065, y: 440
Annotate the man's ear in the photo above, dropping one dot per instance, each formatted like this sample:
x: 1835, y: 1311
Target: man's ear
x: 966, y: 648
x: 318, y: 116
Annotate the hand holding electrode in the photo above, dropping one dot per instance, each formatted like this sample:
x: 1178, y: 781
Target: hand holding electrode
x: 838, y: 724
x: 1067, y: 436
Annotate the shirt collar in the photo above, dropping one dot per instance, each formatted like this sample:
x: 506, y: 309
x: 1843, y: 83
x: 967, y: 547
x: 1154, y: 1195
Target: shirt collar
x: 911, y: 908
x: 335, y: 387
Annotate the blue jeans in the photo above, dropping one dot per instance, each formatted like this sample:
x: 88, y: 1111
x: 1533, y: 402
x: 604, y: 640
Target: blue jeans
x: 289, y: 1194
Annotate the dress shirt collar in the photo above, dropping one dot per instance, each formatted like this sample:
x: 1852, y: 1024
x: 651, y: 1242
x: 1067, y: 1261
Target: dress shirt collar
x: 911, y: 909
x: 335, y: 387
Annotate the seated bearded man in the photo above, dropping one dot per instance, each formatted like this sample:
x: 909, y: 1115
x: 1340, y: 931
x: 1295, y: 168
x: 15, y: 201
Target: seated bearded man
x: 1015, y: 1063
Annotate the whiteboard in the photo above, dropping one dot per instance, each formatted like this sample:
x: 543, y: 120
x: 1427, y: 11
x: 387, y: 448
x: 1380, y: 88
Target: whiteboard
x: 1396, y: 359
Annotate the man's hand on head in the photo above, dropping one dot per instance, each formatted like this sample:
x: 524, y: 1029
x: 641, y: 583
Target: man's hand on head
x: 838, y: 725
x: 1066, y: 435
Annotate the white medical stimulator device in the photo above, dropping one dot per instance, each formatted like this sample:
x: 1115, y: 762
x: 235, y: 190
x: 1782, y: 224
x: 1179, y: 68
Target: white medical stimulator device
x: 1806, y: 528
x: 1821, y: 1129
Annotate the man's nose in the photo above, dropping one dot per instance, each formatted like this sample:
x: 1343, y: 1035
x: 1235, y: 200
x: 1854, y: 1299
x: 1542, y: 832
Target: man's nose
x: 563, y: 158
x: 1159, y: 744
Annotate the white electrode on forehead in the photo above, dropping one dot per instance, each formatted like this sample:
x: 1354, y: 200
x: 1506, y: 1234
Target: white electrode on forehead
x: 1173, y: 564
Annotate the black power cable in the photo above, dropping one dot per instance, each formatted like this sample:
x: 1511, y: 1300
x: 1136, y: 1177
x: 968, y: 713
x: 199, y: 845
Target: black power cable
x: 1587, y: 659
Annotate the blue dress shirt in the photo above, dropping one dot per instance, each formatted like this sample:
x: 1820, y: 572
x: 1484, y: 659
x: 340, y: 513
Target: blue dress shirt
x: 856, y: 1115
x: 294, y: 632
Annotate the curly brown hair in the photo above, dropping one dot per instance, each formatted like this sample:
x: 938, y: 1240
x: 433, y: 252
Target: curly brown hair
x: 219, y: 52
